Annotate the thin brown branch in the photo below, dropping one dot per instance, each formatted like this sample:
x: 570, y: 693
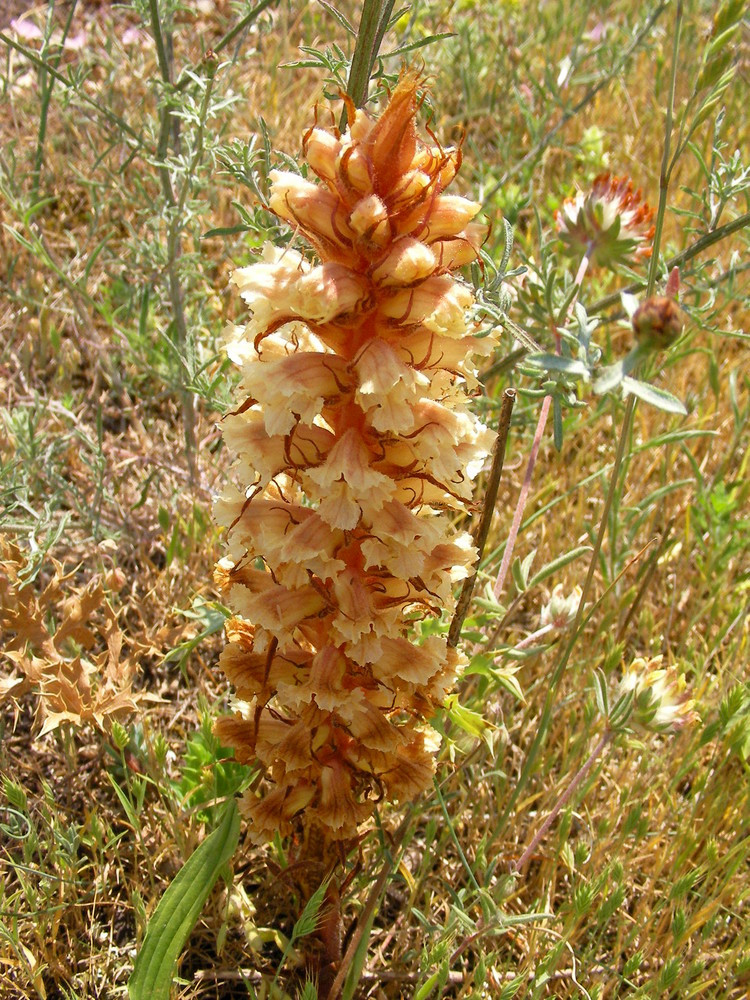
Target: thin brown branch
x: 483, y: 527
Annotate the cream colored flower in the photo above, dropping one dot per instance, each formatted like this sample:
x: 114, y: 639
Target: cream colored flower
x: 560, y: 611
x: 661, y: 701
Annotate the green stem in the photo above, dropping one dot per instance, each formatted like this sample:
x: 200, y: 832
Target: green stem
x: 161, y: 52
x: 372, y: 25
x: 683, y: 257
x: 239, y: 27
x: 174, y: 252
x: 456, y: 843
x: 666, y: 166
x: 546, y: 716
x: 105, y: 112
x: 541, y: 424
x: 537, y: 151
x: 46, y: 86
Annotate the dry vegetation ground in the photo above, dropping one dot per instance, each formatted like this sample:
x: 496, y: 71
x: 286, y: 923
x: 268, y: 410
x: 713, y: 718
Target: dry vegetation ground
x: 107, y: 544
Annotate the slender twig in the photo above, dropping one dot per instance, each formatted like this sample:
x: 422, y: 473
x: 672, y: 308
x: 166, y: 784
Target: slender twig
x: 483, y: 527
x: 604, y: 740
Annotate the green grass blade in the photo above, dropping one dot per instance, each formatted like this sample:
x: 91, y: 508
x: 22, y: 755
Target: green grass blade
x: 178, y: 910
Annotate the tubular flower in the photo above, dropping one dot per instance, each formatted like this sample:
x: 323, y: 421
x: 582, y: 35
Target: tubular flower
x: 355, y: 447
x: 611, y: 224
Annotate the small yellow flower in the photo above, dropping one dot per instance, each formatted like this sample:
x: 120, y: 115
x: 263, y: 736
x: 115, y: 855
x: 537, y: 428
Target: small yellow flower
x: 661, y: 702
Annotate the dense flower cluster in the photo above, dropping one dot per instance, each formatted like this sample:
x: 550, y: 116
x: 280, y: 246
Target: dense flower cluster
x: 355, y: 447
x: 610, y: 225
x: 661, y: 701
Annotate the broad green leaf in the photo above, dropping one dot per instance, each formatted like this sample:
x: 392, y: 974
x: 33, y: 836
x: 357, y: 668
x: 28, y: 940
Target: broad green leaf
x: 179, y: 909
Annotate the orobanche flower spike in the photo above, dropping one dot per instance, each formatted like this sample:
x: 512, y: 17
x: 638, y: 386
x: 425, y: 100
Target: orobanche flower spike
x: 355, y: 448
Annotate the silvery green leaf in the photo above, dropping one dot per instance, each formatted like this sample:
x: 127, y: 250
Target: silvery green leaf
x: 656, y: 397
x: 554, y: 362
x: 609, y: 378
x: 629, y: 303
x: 601, y: 693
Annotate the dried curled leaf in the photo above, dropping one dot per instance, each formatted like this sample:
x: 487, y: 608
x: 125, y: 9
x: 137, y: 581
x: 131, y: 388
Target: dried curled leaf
x: 83, y: 670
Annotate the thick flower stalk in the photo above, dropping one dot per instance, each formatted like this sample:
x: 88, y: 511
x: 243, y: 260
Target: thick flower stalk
x: 355, y: 449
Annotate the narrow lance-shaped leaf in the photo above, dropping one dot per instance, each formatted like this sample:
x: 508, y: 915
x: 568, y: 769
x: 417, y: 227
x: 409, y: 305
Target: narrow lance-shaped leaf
x: 179, y: 909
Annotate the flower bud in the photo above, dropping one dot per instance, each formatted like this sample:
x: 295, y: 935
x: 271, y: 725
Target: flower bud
x: 658, y: 322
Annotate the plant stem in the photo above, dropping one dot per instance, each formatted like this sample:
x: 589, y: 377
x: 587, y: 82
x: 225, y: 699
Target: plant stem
x: 161, y: 51
x: 170, y: 122
x: 46, y: 86
x: 666, y: 166
x: 368, y: 910
x: 522, y: 498
x: 483, y: 527
x: 526, y: 486
x: 590, y: 94
x: 239, y: 27
x: 546, y: 716
x: 372, y: 25
x: 105, y: 112
x: 575, y: 782
x: 683, y: 257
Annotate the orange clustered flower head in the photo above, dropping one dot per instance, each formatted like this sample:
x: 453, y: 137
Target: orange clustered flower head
x: 611, y: 224
x: 355, y: 447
